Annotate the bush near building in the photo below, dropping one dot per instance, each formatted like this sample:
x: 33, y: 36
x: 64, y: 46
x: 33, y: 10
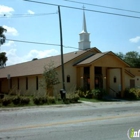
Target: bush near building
x: 92, y: 94
x: 132, y: 93
x: 18, y: 100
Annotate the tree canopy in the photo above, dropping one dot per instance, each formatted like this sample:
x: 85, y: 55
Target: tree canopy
x: 132, y: 58
x: 2, y: 36
x: 3, y: 59
x: 50, y: 77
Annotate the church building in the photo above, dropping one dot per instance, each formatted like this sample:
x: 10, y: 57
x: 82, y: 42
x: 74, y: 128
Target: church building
x: 87, y: 68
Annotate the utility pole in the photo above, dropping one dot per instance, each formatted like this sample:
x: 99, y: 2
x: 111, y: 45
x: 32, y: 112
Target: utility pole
x: 61, y: 44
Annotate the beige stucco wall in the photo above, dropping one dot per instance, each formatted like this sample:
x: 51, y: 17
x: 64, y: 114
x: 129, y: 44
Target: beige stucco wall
x: 109, y: 60
x: 22, y: 85
x: 127, y: 80
x: 104, y: 77
x: 137, y: 81
x: 136, y: 78
x: 4, y: 85
x: 136, y: 73
x: 70, y: 70
x: 116, y: 86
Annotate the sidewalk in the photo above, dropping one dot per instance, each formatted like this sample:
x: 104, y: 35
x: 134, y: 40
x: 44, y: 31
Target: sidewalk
x: 93, y: 104
x: 112, y: 103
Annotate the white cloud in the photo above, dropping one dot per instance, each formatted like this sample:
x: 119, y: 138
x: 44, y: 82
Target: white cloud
x: 5, y: 10
x: 9, y: 44
x: 41, y: 54
x: 31, y: 12
x: 135, y: 40
x: 14, y: 58
x: 10, y: 30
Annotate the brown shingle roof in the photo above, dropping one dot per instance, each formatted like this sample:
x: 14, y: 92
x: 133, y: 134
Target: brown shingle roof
x: 36, y: 66
x: 92, y: 58
x: 99, y: 55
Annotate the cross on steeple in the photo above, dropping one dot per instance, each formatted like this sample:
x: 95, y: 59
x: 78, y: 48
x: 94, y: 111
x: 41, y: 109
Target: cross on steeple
x: 83, y: 7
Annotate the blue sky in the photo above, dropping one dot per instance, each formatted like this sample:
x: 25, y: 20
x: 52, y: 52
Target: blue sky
x: 107, y: 32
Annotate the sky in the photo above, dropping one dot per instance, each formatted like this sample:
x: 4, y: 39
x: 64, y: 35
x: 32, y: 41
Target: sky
x: 33, y: 22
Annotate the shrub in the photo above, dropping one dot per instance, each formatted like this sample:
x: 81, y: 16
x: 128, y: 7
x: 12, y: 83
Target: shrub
x: 130, y: 94
x: 36, y: 100
x: 44, y: 100
x: 98, y: 93
x: 24, y: 100
x: 84, y: 94
x: 88, y: 94
x: 16, y: 100
x: 40, y: 100
x: 6, y: 101
x: 80, y: 93
x: 51, y: 100
x: 75, y: 98
x: 72, y: 98
x: 1, y: 96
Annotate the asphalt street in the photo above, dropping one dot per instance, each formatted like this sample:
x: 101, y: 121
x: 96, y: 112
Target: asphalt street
x: 83, y: 121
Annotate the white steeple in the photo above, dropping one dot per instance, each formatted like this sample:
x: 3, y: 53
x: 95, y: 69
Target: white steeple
x: 84, y: 23
x: 84, y: 36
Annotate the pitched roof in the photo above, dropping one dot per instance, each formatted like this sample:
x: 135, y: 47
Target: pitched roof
x: 92, y: 58
x: 37, y: 66
x: 129, y: 73
x: 98, y: 56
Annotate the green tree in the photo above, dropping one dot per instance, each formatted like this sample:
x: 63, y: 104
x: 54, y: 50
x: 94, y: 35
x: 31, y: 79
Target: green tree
x: 50, y: 77
x: 120, y: 55
x: 3, y: 59
x: 2, y: 36
x: 133, y: 59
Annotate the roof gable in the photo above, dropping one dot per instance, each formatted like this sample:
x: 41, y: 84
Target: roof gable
x: 104, y: 59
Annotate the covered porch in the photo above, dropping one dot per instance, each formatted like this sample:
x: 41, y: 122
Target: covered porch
x: 106, y: 71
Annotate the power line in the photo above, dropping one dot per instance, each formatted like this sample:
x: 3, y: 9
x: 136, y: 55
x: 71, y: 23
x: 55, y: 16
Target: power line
x: 31, y: 42
x: 41, y: 43
x: 76, y: 8
x: 27, y: 15
x: 90, y: 4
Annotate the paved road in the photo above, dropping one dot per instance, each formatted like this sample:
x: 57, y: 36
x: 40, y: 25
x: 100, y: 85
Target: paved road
x: 85, y: 121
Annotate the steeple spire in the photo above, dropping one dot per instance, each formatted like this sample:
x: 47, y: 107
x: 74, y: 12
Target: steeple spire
x: 84, y: 42
x: 84, y: 22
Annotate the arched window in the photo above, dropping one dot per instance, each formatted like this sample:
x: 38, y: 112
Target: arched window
x: 68, y: 78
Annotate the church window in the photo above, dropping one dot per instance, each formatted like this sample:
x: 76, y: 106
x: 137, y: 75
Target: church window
x: 26, y: 83
x: 68, y: 78
x: 36, y: 82
x: 115, y: 79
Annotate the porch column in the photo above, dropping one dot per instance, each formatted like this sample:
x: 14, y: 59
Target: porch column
x: 0, y: 86
x: 78, y: 77
x: 81, y: 76
x: 92, y: 77
x: 107, y: 80
x: 122, y: 82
